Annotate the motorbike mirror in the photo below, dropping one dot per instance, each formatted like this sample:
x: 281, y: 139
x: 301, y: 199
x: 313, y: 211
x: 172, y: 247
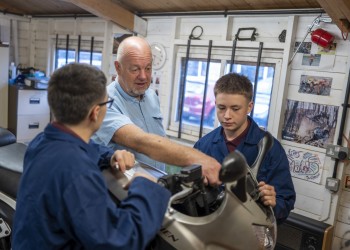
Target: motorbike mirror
x: 234, y: 167
x: 264, y: 145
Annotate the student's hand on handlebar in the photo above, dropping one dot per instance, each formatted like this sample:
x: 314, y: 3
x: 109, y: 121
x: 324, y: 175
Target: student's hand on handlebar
x: 210, y: 169
x: 122, y: 160
x: 139, y: 174
x: 267, y: 194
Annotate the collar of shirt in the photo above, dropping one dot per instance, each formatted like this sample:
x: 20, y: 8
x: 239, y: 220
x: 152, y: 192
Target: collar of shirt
x: 126, y: 96
x: 55, y: 131
x: 233, y: 144
x: 63, y: 128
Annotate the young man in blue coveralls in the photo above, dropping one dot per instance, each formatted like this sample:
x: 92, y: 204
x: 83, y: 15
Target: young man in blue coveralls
x: 63, y: 200
x: 238, y: 131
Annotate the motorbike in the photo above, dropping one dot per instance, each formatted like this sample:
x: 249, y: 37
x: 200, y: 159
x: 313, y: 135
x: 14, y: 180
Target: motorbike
x: 198, y: 217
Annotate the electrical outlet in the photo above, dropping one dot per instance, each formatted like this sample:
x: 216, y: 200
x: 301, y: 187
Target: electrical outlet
x: 332, y: 184
x: 337, y: 152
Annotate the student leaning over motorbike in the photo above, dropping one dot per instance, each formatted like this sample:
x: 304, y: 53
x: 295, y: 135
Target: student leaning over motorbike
x: 63, y: 201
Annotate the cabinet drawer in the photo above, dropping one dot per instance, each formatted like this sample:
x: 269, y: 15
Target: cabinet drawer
x: 28, y: 126
x: 32, y: 102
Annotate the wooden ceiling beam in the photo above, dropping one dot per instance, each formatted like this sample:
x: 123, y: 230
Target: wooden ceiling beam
x: 339, y: 11
x: 9, y: 9
x: 109, y: 10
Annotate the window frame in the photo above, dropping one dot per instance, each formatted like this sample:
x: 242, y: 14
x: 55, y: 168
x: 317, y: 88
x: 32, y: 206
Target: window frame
x: 223, y: 55
x: 73, y: 46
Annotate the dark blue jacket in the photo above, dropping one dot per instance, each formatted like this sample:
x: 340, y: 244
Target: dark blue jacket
x: 273, y: 171
x: 63, y: 201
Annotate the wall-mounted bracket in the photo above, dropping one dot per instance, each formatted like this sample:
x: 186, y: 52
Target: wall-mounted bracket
x: 251, y: 38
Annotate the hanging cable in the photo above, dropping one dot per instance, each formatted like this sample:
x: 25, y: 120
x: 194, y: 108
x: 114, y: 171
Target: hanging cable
x: 342, y: 124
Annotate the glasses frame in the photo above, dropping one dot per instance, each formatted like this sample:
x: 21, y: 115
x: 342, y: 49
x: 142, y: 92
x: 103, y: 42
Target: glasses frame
x: 108, y: 103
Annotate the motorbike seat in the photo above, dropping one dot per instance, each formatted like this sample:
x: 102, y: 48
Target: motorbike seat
x: 11, y: 162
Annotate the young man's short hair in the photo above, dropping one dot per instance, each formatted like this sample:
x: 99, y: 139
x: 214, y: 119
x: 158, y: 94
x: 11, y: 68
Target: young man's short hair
x: 73, y: 90
x: 234, y: 83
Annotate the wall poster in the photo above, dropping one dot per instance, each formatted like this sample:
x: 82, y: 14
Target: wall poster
x: 305, y: 165
x: 315, y: 85
x: 309, y: 123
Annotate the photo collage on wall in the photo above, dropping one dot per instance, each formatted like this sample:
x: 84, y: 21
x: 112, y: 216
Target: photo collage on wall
x: 313, y: 56
x: 310, y: 124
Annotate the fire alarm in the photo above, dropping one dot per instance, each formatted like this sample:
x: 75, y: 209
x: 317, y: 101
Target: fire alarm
x: 322, y: 38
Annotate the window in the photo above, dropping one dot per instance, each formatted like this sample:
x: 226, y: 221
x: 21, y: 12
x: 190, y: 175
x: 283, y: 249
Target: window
x: 62, y: 57
x: 84, y: 57
x: 263, y: 89
x: 194, y: 109
x: 74, y: 55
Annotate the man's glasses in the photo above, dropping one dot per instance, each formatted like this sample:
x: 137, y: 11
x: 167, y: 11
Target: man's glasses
x: 109, y: 102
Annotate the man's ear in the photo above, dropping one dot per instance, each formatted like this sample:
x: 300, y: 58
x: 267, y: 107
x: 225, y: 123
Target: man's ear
x: 117, y: 66
x: 94, y: 112
x: 250, y: 106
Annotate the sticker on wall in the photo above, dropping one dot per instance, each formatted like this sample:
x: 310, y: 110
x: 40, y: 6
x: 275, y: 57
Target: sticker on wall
x: 304, y: 48
x: 311, y: 60
x: 316, y: 85
x: 309, y: 123
x: 305, y: 165
x: 327, y: 50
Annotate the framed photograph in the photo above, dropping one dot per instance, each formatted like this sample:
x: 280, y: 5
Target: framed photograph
x: 309, y: 123
x: 315, y: 85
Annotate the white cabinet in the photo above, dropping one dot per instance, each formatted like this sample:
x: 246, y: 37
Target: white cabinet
x: 29, y: 112
x: 4, y: 73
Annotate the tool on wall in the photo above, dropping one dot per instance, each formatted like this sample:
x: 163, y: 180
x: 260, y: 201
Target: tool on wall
x: 251, y: 38
x: 318, y: 36
x: 196, y: 33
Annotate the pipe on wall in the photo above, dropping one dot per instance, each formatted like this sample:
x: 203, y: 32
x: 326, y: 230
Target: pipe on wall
x: 226, y: 13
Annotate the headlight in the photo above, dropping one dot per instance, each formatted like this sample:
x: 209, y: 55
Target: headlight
x: 266, y: 235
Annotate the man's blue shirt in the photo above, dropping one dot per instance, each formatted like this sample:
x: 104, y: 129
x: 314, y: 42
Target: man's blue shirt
x: 273, y: 171
x: 144, y: 113
x: 63, y: 201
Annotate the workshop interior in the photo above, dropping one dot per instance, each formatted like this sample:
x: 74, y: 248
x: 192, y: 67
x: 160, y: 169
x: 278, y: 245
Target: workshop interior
x: 295, y: 53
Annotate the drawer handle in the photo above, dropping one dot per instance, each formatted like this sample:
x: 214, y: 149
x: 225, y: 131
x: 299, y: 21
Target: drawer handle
x: 34, y: 101
x: 33, y: 125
